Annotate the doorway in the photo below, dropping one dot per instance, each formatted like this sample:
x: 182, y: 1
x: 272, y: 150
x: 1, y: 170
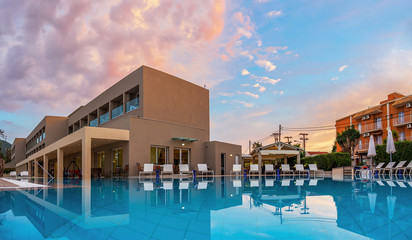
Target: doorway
x: 117, y: 159
x: 180, y: 156
x: 222, y: 163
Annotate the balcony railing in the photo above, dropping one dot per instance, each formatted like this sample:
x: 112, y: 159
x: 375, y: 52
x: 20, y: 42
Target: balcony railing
x: 132, y: 104
x: 399, y: 121
x: 406, y: 138
x: 117, y: 111
x: 371, y: 127
x: 93, y: 123
x: 104, y: 118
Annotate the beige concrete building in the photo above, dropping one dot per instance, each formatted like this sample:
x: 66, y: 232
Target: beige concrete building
x: 147, y: 117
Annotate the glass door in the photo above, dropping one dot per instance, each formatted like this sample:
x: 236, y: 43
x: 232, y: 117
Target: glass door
x: 180, y: 156
x: 117, y: 159
x: 100, y: 160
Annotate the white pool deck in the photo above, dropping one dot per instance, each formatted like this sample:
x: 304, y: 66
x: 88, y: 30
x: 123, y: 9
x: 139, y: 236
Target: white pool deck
x: 21, y: 184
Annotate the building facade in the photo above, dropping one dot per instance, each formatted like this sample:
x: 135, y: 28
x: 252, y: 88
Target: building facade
x: 393, y: 113
x: 147, y: 117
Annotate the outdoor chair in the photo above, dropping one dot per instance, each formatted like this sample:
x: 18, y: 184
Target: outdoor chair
x: 254, y: 168
x: 147, y: 169
x: 377, y: 168
x: 388, y: 168
x: 254, y: 182
x: 148, y: 186
x: 299, y: 182
x: 202, y: 169
x: 286, y: 170
x: 184, y: 169
x: 400, y: 167
x: 285, y: 183
x: 237, y: 168
x: 269, y: 182
x: 167, y: 169
x: 24, y: 174
x: 13, y: 174
x: 314, y: 168
x: 313, y: 182
x: 403, y: 168
x: 300, y: 169
x: 202, y: 185
x: 183, y: 185
x: 237, y: 183
x: 269, y: 169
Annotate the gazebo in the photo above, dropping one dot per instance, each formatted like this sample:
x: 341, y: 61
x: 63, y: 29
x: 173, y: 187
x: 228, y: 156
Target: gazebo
x: 275, y: 152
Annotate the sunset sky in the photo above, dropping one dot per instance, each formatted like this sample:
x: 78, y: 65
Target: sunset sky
x: 265, y: 62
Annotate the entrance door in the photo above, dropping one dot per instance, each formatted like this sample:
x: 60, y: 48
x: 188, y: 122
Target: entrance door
x: 222, y: 163
x: 100, y: 160
x: 117, y: 159
x: 180, y: 156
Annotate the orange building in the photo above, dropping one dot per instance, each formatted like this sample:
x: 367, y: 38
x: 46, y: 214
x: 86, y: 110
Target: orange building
x: 395, y: 113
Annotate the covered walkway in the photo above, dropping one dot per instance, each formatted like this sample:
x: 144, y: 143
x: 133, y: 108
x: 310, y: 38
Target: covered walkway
x: 276, y: 152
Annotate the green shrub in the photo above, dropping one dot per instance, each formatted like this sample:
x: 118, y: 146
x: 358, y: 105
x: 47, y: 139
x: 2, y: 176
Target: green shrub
x: 329, y: 160
x: 403, y: 152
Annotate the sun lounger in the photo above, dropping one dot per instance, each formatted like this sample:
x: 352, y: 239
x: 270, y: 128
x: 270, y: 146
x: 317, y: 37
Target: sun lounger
x: 168, y: 185
x: 184, y: 169
x: 380, y: 183
x: 183, y: 185
x: 300, y: 169
x: 299, y: 182
x: 147, y: 169
x: 397, y: 167
x: 269, y: 169
x: 13, y: 174
x: 286, y: 170
x: 314, y: 168
x: 237, y: 168
x: 202, y: 185
x: 377, y: 168
x: 401, y: 184
x: 167, y: 169
x: 405, y: 169
x: 237, y: 183
x: 202, y: 169
x: 254, y: 168
x: 254, y: 182
x: 148, y: 186
x: 24, y: 174
x: 388, y: 168
x: 391, y: 183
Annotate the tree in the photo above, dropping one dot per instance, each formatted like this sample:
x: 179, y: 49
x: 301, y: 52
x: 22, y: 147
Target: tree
x: 348, y: 140
x: 334, y: 147
x: 256, y: 145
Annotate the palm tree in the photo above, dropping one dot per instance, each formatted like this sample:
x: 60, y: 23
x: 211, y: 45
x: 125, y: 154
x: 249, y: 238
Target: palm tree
x: 348, y: 140
x: 256, y: 145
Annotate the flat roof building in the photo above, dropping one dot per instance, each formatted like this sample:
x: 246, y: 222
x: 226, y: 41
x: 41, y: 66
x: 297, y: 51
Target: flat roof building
x: 147, y: 117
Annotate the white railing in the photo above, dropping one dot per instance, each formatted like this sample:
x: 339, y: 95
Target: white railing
x: 403, y: 120
x: 371, y: 127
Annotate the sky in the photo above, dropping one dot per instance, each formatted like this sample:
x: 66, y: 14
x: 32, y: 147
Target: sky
x: 265, y: 62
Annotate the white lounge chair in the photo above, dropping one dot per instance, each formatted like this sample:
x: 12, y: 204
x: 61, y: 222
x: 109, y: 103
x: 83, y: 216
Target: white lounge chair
x: 24, y: 174
x: 269, y: 169
x: 391, y: 183
x: 168, y: 185
x: 237, y: 168
x: 401, y: 184
x: 300, y: 169
x: 286, y: 169
x: 167, y: 169
x: 299, y: 182
x: 405, y: 169
x: 399, y: 166
x: 183, y: 185
x: 388, y: 168
x: 314, y: 168
x: 380, y: 183
x: 184, y: 169
x: 147, y: 169
x: 377, y: 168
x: 202, y: 169
x: 13, y: 174
x: 254, y: 168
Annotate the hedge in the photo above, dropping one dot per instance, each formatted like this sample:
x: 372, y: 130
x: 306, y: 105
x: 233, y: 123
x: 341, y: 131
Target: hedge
x: 329, y: 160
x: 403, y: 152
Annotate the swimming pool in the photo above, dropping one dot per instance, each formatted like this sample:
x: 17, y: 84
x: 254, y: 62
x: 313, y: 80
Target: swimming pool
x: 212, y: 208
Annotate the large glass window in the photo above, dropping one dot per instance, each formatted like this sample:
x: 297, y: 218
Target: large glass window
x: 401, y: 136
x: 158, y: 155
x: 359, y: 127
x: 401, y: 117
x: 117, y: 158
x: 100, y: 160
x: 378, y: 122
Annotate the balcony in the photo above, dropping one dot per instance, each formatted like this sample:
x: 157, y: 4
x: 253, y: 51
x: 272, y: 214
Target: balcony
x: 372, y: 127
x: 132, y: 105
x: 402, y: 121
x: 407, y: 138
x: 93, y: 123
x: 117, y: 111
x: 104, y: 118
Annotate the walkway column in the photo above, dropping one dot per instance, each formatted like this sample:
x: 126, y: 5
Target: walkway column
x: 46, y: 168
x: 60, y: 163
x: 36, y: 168
x: 298, y: 158
x: 29, y: 168
x: 86, y: 157
x: 285, y: 160
x: 260, y: 161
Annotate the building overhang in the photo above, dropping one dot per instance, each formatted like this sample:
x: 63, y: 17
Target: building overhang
x: 184, y: 139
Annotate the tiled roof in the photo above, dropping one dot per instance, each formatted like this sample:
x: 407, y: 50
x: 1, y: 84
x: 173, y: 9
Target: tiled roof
x: 369, y: 111
x: 402, y: 101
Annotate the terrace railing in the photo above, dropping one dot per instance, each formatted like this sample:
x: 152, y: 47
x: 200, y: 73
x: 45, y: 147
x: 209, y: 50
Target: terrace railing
x: 407, y: 118
x: 371, y: 127
x: 93, y: 123
x: 132, y: 104
x: 117, y: 111
x: 104, y: 118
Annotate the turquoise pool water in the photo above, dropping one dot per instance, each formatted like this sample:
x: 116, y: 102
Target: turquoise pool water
x: 214, y: 208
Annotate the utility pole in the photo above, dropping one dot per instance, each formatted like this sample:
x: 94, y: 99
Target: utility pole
x: 276, y: 137
x: 304, y: 139
x: 289, y: 141
x: 280, y: 132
